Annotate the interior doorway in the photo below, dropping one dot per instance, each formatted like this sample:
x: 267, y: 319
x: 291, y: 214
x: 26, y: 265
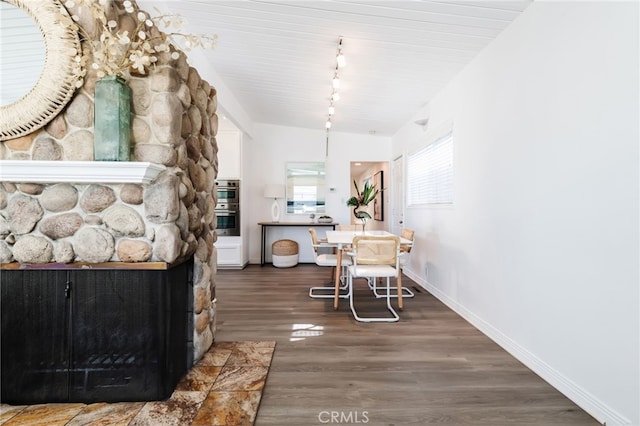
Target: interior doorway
x: 375, y: 172
x: 397, y: 200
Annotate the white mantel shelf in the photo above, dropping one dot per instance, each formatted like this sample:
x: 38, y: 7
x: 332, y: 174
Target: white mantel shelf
x: 78, y: 171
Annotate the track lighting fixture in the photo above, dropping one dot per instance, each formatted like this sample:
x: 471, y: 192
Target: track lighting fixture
x: 335, y: 84
x: 340, y: 59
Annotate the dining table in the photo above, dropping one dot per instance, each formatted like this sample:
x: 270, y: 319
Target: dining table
x: 342, y: 239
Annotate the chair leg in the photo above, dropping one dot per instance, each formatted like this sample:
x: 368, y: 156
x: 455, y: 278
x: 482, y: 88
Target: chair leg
x: 329, y: 295
x: 406, y: 292
x: 394, y: 314
x: 399, y: 281
x: 344, y: 285
x: 389, y: 299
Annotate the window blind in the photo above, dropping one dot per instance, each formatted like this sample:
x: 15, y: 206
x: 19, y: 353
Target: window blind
x: 430, y: 173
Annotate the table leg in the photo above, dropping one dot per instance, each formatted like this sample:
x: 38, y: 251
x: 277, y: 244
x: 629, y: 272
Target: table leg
x: 336, y: 296
x: 262, y: 247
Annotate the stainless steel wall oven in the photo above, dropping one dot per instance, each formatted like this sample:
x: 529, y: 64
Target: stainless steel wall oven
x: 228, y: 191
x: 228, y: 208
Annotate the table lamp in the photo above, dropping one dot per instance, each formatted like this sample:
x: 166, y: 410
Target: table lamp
x: 274, y: 191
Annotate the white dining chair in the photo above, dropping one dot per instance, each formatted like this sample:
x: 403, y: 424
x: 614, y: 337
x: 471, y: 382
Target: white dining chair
x: 376, y: 257
x: 407, y: 234
x: 331, y: 260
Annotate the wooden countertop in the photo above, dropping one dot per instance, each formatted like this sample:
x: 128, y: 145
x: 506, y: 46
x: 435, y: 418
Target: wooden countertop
x: 297, y: 224
x: 86, y: 265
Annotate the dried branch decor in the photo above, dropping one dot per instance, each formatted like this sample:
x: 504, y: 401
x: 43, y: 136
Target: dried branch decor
x: 123, y: 46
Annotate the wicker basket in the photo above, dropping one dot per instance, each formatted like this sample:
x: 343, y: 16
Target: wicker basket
x: 284, y: 248
x: 284, y: 253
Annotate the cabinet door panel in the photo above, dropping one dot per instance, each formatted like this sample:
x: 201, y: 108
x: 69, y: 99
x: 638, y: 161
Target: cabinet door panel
x: 34, y: 338
x: 118, y: 335
x: 229, y: 154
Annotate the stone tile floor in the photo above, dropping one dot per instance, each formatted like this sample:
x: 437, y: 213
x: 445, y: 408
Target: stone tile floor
x: 223, y: 388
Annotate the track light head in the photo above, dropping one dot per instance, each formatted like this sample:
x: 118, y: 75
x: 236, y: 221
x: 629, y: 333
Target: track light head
x: 335, y: 84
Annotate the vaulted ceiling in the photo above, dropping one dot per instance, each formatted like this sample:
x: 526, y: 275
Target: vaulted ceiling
x: 278, y: 57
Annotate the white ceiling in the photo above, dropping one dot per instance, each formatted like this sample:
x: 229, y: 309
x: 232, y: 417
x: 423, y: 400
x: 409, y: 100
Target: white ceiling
x: 278, y: 57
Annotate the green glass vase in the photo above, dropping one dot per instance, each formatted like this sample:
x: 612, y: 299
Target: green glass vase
x: 112, y: 120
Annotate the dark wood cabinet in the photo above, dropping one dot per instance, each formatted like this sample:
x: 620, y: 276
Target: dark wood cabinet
x: 86, y: 335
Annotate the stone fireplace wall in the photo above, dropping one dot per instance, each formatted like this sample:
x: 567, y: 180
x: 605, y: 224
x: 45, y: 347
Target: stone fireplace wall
x: 174, y: 123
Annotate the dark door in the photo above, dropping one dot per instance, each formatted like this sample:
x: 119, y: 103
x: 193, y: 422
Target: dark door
x: 35, y: 343
x: 117, y: 327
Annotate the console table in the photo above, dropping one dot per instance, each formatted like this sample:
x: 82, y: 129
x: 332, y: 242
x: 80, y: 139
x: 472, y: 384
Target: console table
x: 265, y: 225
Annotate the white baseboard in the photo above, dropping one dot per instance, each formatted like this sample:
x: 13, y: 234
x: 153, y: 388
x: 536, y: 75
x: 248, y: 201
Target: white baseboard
x: 581, y: 397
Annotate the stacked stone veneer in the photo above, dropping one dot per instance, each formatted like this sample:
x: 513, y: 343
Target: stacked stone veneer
x: 169, y: 220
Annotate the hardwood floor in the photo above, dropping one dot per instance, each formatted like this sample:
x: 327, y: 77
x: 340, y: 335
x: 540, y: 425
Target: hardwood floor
x: 432, y: 367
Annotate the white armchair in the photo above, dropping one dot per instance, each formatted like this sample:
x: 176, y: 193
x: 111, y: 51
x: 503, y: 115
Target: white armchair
x: 376, y: 257
x: 331, y: 260
x: 406, y: 234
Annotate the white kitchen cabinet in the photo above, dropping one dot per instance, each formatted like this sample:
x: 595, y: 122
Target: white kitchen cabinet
x: 231, y: 249
x: 229, y: 154
x: 230, y: 253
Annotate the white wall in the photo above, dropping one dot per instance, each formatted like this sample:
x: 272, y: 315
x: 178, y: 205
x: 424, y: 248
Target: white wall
x: 540, y: 249
x: 265, y: 161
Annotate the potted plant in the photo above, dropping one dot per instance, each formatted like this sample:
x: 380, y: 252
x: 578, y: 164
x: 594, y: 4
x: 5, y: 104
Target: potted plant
x: 325, y: 219
x: 362, y: 199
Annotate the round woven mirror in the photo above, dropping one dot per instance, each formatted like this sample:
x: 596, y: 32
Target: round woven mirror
x: 57, y: 82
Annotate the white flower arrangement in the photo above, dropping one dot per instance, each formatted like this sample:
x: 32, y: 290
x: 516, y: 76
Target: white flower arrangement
x: 118, y: 51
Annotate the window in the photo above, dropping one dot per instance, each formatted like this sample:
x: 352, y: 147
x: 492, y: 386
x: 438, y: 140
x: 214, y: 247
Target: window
x: 430, y: 173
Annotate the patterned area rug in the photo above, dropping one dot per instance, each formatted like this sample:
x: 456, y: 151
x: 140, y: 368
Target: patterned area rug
x: 224, y: 388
